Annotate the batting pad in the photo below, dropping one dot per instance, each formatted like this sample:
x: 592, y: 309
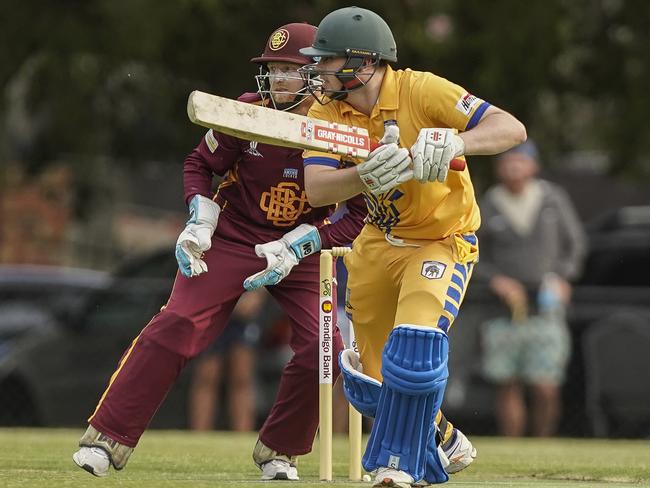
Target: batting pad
x: 414, y: 367
x: 361, y: 390
x: 434, y: 470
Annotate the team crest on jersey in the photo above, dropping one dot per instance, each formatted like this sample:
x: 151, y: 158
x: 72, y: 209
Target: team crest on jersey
x: 433, y: 270
x: 252, y: 150
x: 290, y: 173
x: 211, y: 141
x: 284, y: 204
x: 466, y: 103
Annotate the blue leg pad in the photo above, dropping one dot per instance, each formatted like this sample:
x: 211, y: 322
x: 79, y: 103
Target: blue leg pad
x: 361, y: 390
x: 414, y: 367
x: 434, y: 472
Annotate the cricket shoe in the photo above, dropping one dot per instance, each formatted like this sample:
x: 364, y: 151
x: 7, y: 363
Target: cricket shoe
x: 460, y: 452
x: 393, y: 478
x: 93, y: 459
x: 274, y: 465
x: 278, y: 469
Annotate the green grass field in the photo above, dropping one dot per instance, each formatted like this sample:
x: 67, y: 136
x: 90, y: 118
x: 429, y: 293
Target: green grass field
x: 42, y: 457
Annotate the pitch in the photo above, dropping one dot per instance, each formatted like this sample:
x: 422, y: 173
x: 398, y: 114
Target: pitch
x: 42, y: 457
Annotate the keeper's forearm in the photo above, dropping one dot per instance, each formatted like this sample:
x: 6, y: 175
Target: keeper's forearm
x: 326, y: 186
x: 496, y: 132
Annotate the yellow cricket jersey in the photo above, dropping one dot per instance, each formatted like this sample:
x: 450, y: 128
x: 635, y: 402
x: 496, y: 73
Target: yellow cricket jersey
x: 416, y: 100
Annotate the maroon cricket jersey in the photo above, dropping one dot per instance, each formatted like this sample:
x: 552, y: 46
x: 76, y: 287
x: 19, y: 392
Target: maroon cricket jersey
x: 263, y: 191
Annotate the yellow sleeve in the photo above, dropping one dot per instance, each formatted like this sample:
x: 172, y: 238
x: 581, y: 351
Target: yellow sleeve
x: 323, y: 112
x: 448, y: 103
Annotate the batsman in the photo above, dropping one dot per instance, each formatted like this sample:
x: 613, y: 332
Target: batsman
x: 412, y: 262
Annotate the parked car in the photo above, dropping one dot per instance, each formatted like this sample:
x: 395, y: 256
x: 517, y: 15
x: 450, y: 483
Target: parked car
x: 55, y: 361
x: 52, y: 289
x: 55, y: 358
x: 32, y: 299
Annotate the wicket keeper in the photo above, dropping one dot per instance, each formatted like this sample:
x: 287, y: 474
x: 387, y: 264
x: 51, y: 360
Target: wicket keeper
x: 262, y: 198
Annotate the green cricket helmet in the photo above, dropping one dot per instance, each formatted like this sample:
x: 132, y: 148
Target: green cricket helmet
x: 353, y: 31
x: 361, y: 37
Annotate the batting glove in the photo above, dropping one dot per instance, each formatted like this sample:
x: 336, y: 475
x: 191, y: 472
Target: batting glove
x: 433, y: 152
x: 197, y: 236
x: 387, y: 166
x: 282, y: 255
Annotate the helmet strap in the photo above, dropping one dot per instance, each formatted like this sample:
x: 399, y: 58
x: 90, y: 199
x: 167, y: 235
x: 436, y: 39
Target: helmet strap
x: 347, y: 75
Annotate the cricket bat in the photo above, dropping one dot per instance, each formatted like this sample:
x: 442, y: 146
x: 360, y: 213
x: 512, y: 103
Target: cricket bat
x: 265, y: 125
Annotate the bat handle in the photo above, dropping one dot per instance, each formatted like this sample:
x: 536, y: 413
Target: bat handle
x: 455, y: 165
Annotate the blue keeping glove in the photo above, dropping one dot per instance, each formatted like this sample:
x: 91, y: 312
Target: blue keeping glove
x: 282, y: 255
x: 197, y: 236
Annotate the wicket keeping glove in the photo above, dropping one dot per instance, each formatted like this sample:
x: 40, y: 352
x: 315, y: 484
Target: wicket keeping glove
x: 282, y: 255
x: 433, y: 152
x: 197, y: 236
x: 387, y: 166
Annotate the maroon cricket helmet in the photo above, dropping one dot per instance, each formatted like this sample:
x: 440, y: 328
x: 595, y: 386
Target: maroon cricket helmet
x: 285, y: 43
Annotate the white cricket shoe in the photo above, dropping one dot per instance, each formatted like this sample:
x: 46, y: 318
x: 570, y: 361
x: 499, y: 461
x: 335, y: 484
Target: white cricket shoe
x: 278, y: 469
x: 93, y: 459
x: 389, y: 477
x: 460, y: 451
x: 274, y: 466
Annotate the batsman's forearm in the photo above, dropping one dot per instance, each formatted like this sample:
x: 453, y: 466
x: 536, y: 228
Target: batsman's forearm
x: 326, y: 186
x: 496, y: 132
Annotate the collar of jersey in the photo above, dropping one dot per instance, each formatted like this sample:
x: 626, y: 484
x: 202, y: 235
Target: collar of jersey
x: 388, y: 99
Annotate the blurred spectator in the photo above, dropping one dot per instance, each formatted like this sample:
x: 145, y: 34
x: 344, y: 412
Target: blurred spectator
x: 230, y: 358
x: 532, y: 245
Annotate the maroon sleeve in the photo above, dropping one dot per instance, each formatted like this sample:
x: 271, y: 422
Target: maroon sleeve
x: 345, y: 230
x: 215, y: 154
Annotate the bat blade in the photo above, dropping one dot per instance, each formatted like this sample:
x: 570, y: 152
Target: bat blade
x: 265, y: 125
x: 261, y: 124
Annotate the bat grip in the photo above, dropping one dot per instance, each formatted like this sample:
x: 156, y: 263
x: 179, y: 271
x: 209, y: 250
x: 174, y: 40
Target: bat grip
x: 455, y: 165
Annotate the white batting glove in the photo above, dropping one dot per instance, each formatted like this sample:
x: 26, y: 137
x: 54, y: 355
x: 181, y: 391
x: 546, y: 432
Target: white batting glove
x: 196, y: 238
x: 282, y: 255
x: 432, y: 153
x: 387, y: 166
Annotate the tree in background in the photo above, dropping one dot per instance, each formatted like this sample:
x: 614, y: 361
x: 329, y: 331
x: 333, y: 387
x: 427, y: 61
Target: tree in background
x: 85, y: 81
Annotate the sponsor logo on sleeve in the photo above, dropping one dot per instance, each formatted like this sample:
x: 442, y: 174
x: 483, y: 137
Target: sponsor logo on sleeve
x: 211, y: 141
x: 466, y: 103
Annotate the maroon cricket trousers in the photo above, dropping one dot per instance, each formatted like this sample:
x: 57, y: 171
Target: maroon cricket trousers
x: 195, y: 316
